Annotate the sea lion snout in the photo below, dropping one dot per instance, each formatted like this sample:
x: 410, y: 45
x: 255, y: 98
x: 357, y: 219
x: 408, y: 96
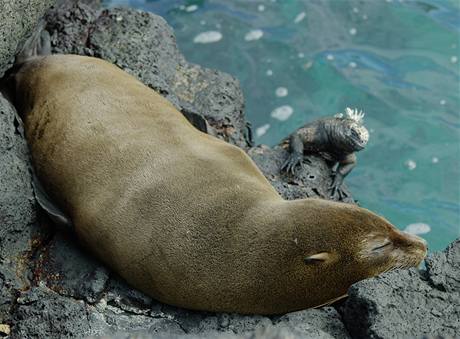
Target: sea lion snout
x: 415, y: 246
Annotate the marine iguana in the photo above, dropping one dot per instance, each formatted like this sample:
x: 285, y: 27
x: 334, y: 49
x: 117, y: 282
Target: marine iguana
x: 336, y: 139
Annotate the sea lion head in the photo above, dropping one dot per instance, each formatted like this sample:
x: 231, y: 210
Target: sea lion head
x: 340, y: 244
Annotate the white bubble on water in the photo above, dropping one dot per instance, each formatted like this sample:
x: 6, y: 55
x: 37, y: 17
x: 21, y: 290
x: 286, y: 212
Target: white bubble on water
x: 299, y: 17
x: 254, y: 34
x: 355, y: 10
x: 417, y: 228
x: 307, y: 65
x: 453, y: 59
x: 442, y: 102
x: 208, y: 37
x: 364, y: 17
x: 191, y: 8
x: 261, y: 8
x: 301, y: 55
x: 282, y: 113
x: 269, y: 72
x: 352, y: 64
x: 434, y: 160
x: 281, y: 92
x: 410, y: 164
x: 353, y: 31
x: 330, y: 57
x: 202, y: 22
x: 262, y: 130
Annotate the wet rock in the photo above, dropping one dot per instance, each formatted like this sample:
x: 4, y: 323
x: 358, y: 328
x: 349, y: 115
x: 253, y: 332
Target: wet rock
x: 408, y: 303
x: 18, y: 19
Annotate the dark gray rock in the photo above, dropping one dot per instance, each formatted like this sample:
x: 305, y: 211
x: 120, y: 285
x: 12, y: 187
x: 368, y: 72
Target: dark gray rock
x: 408, y: 303
x: 19, y: 235
x: 316, y: 323
x: 64, y: 268
x: 444, y: 268
x: 41, y: 313
x: 18, y: 19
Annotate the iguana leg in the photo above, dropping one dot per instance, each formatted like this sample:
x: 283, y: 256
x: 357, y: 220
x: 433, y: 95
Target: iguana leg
x: 295, y: 157
x: 345, y: 166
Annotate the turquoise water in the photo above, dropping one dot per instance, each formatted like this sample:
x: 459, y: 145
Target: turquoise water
x: 396, y: 60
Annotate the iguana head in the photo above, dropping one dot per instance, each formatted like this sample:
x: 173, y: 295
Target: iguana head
x: 356, y: 134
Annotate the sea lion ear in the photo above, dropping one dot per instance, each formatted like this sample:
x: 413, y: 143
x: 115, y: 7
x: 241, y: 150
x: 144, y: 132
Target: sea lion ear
x: 317, y: 258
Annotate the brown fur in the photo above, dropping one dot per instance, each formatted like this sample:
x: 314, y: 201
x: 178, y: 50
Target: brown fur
x: 181, y: 215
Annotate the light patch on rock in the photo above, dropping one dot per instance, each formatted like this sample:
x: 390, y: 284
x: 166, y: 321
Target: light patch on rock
x: 254, y: 34
x: 299, y: 17
x: 282, y: 113
x: 262, y: 130
x: 281, y: 92
x: 5, y: 329
x: 208, y: 37
x: 417, y: 228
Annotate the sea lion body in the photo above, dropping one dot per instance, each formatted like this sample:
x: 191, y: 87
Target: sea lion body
x: 181, y: 215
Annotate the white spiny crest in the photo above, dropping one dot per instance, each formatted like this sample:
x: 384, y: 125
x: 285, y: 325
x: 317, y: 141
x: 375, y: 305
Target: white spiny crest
x: 353, y: 114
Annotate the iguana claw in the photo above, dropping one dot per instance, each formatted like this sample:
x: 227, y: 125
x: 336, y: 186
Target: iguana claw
x: 292, y: 162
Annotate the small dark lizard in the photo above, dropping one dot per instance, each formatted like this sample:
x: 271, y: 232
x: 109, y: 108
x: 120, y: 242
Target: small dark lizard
x: 336, y: 139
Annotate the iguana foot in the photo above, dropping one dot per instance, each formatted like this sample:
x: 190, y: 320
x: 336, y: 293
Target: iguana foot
x: 336, y: 187
x: 293, y: 160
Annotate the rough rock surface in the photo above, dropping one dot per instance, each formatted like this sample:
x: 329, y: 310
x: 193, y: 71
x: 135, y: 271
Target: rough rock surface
x: 50, y: 287
x: 18, y: 18
x: 409, y: 303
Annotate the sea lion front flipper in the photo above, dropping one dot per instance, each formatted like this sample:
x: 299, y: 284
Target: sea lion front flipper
x: 54, y: 212
x: 196, y: 120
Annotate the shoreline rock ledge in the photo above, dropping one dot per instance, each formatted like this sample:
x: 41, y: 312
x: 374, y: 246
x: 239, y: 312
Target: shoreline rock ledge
x: 49, y: 287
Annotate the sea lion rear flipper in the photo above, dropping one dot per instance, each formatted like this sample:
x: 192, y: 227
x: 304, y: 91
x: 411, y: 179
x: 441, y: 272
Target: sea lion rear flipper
x: 53, y: 211
x: 38, y: 44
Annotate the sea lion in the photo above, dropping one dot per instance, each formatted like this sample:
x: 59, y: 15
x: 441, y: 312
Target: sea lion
x: 183, y: 216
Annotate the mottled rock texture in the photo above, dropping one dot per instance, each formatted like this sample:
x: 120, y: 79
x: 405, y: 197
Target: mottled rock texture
x: 409, y: 303
x: 50, y: 287
x: 18, y: 19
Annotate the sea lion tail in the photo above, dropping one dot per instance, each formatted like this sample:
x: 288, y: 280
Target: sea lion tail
x: 38, y: 44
